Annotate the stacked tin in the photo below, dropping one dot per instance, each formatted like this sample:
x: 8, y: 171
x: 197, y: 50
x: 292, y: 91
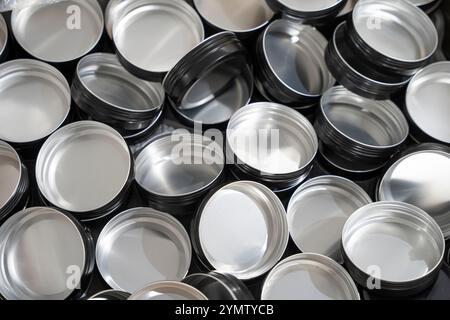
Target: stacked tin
x: 379, y: 48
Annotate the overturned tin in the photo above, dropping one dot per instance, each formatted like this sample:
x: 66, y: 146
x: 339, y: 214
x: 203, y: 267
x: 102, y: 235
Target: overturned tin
x: 271, y: 143
x: 427, y: 99
x: 219, y: 286
x: 309, y: 277
x: 174, y: 171
x: 394, y: 245
x: 110, y: 295
x: 151, y: 36
x: 360, y: 129
x: 422, y: 179
x: 286, y: 43
x: 58, y: 32
x: 14, y: 181
x: 211, y: 82
x: 24, y: 81
x: 309, y: 12
x: 241, y: 230
x: 242, y: 17
x: 357, y: 75
x: 85, y: 168
x: 107, y: 92
x: 168, y: 290
x: 318, y: 211
x: 395, y: 36
x: 4, y: 39
x: 156, y: 243
x: 46, y: 255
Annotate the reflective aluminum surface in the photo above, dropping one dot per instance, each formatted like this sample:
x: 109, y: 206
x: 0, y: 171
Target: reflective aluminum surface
x: 110, y: 295
x: 242, y: 230
x: 39, y: 249
x: 398, y: 243
x: 318, y: 211
x: 176, y: 165
x: 309, y: 277
x: 421, y: 179
x: 58, y: 32
x: 168, y: 290
x: 83, y: 167
x: 309, y: 6
x: 427, y: 100
x: 235, y: 15
x: 10, y: 173
x: 272, y: 139
x: 114, y: 9
x: 34, y: 100
x: 4, y: 38
x: 395, y: 28
x: 294, y: 54
x: 141, y: 246
x: 151, y: 36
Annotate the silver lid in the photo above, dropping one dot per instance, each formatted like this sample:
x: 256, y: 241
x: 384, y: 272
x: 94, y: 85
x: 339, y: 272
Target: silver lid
x: 309, y: 277
x: 40, y: 250
x: 318, y: 211
x: 235, y: 15
x: 10, y: 173
x: 34, y: 100
x: 179, y: 165
x: 83, y: 166
x: 396, y: 29
x: 427, y: 100
x: 60, y: 31
x: 153, y: 35
x: 110, y: 295
x: 242, y: 229
x: 3, y: 35
x: 421, y: 179
x: 141, y: 246
x: 286, y: 43
x: 168, y: 290
x: 114, y: 9
x: 394, y: 242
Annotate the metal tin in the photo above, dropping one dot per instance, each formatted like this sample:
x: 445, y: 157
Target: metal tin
x: 45, y: 255
x: 241, y: 230
x: 4, y: 39
x: 394, y: 35
x: 85, y: 168
x: 155, y: 243
x: 243, y: 18
x: 58, y: 32
x: 14, y: 181
x: 318, y: 211
x: 310, y: 12
x: 219, y: 286
x: 309, y: 277
x: 107, y: 92
x: 348, y: 8
x: 176, y: 170
x: 427, y: 99
x: 168, y: 290
x: 395, y: 247
x: 211, y: 82
x: 422, y: 179
x: 272, y: 143
x: 357, y: 75
x: 110, y: 295
x: 359, y: 129
x: 288, y: 43
x: 23, y: 81
x: 148, y: 36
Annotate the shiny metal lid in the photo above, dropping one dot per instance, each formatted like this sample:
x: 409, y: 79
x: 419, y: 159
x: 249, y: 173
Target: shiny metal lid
x: 10, y: 173
x: 41, y: 251
x: 309, y: 277
x: 60, y: 31
x: 242, y: 230
x: 168, y: 290
x: 421, y: 179
x: 318, y: 211
x: 141, y: 246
